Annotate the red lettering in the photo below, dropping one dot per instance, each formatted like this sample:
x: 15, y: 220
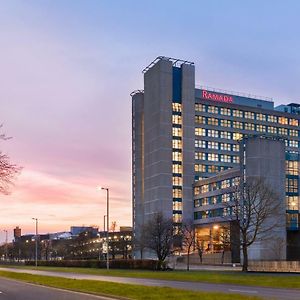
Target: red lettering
x: 216, y: 97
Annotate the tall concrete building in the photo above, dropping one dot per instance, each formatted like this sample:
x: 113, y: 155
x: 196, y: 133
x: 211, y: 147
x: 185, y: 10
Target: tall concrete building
x: 182, y: 134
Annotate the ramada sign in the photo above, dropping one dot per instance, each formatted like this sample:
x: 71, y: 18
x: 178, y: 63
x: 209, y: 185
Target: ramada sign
x: 216, y: 97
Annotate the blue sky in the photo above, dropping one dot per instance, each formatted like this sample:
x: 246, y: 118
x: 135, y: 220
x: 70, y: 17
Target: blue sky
x: 68, y: 67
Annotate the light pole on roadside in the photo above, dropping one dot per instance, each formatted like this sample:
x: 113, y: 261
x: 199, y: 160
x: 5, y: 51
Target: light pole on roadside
x: 36, y: 240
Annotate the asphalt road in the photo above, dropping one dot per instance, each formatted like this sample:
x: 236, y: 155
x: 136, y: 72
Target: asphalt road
x: 16, y: 290
x: 264, y: 292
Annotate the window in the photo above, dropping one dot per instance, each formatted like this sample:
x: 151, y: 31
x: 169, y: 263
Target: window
x: 294, y: 143
x: 212, y: 145
x: 200, y: 156
x: 177, y: 218
x: 200, y: 131
x: 213, y: 121
x: 225, y: 135
x: 293, y: 132
x: 260, y: 117
x: 212, y: 169
x: 235, y: 159
x: 177, y: 168
x: 196, y: 191
x: 235, y: 181
x: 292, y: 203
x: 261, y: 128
x: 225, y: 198
x: 249, y: 115
x: 237, y: 113
x: 212, y: 133
x: 237, y: 124
x: 226, y: 123
x: 200, y: 168
x: 176, y: 119
x: 225, y: 183
x: 291, y: 185
x: 225, y: 158
x: 177, y: 193
x: 237, y: 136
x: 213, y: 109
x: 292, y: 167
x: 199, y: 107
x: 204, y: 188
x: 235, y: 147
x: 294, y: 122
x: 272, y: 119
x: 176, y: 131
x: 283, y: 120
x: 213, y: 157
x: 283, y: 131
x: 225, y: 146
x: 249, y: 126
x: 177, y: 205
x: 176, y: 180
x: 225, y: 111
x: 272, y: 129
x: 199, y: 120
x: 176, y: 144
x: 200, y: 144
x: 176, y: 156
x: 176, y: 107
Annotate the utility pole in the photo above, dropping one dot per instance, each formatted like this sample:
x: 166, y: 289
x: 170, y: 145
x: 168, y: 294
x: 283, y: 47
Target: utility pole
x: 36, y: 241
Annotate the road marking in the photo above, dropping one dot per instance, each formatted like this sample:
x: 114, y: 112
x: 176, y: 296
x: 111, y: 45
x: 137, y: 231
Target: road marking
x: 243, y: 291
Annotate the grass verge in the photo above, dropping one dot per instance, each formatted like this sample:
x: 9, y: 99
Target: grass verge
x: 248, y: 279
x: 128, y: 291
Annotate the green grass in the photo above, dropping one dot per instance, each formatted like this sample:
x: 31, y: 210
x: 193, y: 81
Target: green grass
x: 127, y: 291
x: 235, y: 277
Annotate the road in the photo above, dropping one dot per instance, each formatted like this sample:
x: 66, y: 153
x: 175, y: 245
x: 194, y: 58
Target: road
x: 17, y: 290
x: 264, y: 292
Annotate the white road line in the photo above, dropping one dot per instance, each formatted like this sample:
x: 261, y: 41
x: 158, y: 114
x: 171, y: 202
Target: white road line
x: 243, y: 291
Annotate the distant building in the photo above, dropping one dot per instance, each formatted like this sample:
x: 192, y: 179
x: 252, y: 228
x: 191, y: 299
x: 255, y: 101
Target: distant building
x: 76, y: 230
x: 17, y: 232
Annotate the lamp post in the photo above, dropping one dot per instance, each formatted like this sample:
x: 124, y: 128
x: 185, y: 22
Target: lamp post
x: 36, y: 241
x: 5, y: 243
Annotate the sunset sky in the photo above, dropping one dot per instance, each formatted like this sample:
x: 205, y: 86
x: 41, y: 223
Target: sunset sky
x: 67, y: 69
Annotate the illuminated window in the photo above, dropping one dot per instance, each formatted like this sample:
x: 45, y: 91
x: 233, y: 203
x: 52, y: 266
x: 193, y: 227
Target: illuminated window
x: 212, y: 133
x: 272, y: 129
x: 224, y: 146
x: 204, y: 188
x: 225, y: 183
x: 225, y: 135
x: 176, y: 156
x: 200, y: 155
x: 272, y: 119
x: 237, y: 136
x: 283, y: 120
x: 176, y: 144
x: 225, y: 198
x: 293, y: 132
x: 176, y: 131
x: 212, y: 169
x: 226, y: 123
x: 292, y: 167
x: 200, y: 131
x: 292, y: 202
x: 237, y: 113
x: 199, y: 120
x: 199, y: 107
x: 200, y: 168
x: 283, y: 131
x: 261, y: 117
x: 225, y: 158
x: 249, y: 115
x: 249, y: 126
x: 213, y: 109
x: 177, y: 218
x: 177, y: 205
x: 235, y: 159
x: 261, y: 128
x: 294, y: 122
x: 294, y: 143
x: 213, y: 157
x: 177, y: 193
x: 177, y: 168
x: 237, y: 124
x: 176, y: 119
x: 196, y: 190
x: 176, y: 180
x: 235, y: 181
x: 235, y: 147
x: 213, y: 121
x: 225, y: 111
x: 176, y: 107
x: 212, y: 145
x: 291, y: 185
x: 200, y: 144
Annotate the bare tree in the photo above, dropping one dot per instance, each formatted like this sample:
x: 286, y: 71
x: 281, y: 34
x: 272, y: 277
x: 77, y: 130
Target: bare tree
x: 188, y: 239
x: 140, y: 241
x: 255, y: 207
x: 224, y: 241
x: 199, y: 244
x: 8, y: 171
x: 159, y: 237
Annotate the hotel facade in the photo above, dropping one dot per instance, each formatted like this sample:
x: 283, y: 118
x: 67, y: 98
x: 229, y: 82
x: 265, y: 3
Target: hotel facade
x: 185, y: 137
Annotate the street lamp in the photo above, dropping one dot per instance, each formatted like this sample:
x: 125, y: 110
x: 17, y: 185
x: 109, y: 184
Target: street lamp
x: 107, y: 225
x: 36, y: 241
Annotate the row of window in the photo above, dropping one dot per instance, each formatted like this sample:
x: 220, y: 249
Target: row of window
x: 209, y: 168
x: 216, y: 145
x: 217, y: 157
x: 246, y: 126
x: 213, y: 200
x: 246, y: 114
x: 220, y: 212
x: 223, y: 184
